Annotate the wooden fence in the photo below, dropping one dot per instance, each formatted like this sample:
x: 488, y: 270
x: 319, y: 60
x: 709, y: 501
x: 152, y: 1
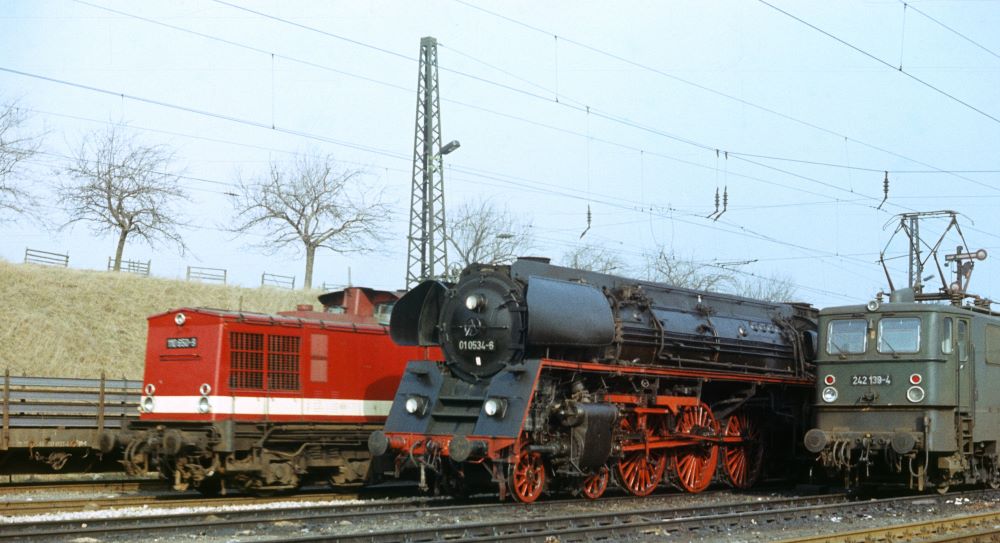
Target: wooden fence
x: 130, y: 266
x: 280, y: 281
x: 45, y: 258
x: 208, y: 275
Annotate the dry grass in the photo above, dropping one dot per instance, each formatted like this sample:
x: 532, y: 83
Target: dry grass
x: 76, y: 323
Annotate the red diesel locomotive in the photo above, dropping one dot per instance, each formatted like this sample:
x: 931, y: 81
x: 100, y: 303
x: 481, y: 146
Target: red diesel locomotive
x: 265, y: 402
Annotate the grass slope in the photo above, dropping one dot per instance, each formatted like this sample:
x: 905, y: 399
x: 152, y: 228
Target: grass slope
x: 78, y: 323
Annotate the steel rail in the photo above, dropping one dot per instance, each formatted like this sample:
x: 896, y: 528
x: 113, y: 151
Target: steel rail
x: 653, y: 523
x: 37, y: 487
x: 171, y: 501
x: 974, y: 527
x: 322, y: 514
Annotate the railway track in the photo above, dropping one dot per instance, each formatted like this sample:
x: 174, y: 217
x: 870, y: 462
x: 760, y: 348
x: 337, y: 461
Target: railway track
x: 708, y: 516
x: 977, y: 527
x: 171, y: 500
x: 79, y: 485
x: 420, y: 520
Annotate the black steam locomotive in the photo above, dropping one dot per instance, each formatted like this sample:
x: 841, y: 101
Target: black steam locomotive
x: 556, y: 378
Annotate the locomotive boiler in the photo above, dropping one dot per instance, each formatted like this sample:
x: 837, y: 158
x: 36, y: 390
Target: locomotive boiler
x: 557, y: 378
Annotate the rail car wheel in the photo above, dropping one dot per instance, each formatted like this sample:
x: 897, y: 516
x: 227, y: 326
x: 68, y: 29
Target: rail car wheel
x: 526, y: 476
x: 640, y: 471
x: 595, y: 484
x: 694, y: 466
x: 742, y: 462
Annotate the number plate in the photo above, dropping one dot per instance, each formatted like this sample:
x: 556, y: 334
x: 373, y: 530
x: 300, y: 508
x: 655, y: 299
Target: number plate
x: 182, y: 342
x: 871, y: 380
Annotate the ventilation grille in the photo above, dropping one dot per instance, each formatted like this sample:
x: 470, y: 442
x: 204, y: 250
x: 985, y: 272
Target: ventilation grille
x: 248, y: 370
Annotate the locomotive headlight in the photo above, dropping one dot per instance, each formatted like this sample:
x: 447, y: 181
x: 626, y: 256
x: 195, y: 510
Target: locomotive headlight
x: 150, y: 389
x: 205, y: 389
x: 495, y: 407
x: 873, y: 305
x: 915, y: 394
x: 416, y: 405
x: 830, y: 394
x: 147, y: 404
x: 180, y: 319
x: 474, y: 302
x: 204, y: 406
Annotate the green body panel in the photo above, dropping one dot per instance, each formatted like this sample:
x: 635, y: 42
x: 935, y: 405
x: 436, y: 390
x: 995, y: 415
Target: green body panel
x: 871, y: 403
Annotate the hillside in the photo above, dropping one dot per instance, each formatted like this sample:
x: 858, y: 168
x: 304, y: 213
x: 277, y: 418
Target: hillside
x: 76, y: 323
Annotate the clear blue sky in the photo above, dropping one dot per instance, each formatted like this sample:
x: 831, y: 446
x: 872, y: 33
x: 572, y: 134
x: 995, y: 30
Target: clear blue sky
x: 667, y: 83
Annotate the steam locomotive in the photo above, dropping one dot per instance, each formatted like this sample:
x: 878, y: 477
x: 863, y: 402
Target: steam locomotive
x: 256, y: 402
x: 562, y: 379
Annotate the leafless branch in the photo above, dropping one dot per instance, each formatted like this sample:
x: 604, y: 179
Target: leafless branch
x: 593, y: 257
x: 666, y: 267
x: 310, y: 203
x: 15, y: 147
x: 123, y: 187
x: 480, y: 232
x: 772, y: 289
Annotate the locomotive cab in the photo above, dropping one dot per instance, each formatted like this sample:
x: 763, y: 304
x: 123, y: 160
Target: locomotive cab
x: 897, y: 391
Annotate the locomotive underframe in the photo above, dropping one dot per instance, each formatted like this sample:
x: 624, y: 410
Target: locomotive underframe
x: 932, y: 447
x: 249, y: 456
x: 575, y: 423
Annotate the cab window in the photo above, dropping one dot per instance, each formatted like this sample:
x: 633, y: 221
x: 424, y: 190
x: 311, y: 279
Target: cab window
x: 847, y: 336
x: 383, y: 312
x: 946, y: 336
x: 899, y: 335
x: 963, y: 341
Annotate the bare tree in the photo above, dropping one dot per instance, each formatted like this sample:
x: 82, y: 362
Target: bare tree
x: 666, y: 267
x: 15, y: 148
x: 312, y: 204
x: 593, y: 257
x: 480, y: 232
x: 771, y: 289
x: 122, y: 186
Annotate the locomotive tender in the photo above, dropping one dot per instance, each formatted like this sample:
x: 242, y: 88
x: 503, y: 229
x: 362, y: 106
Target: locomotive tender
x: 264, y: 402
x: 562, y: 378
x: 906, y: 392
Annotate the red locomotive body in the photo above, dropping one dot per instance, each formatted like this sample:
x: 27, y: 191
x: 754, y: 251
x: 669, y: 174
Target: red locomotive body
x: 265, y: 402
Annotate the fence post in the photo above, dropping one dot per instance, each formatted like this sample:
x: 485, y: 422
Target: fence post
x: 5, y: 443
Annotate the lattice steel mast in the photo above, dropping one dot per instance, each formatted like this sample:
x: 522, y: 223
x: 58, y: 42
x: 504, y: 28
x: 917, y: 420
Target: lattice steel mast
x: 428, y: 255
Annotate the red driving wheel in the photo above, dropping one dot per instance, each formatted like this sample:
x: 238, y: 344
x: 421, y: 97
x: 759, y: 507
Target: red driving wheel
x: 742, y: 461
x: 596, y: 483
x: 640, y: 471
x: 694, y: 466
x: 526, y: 476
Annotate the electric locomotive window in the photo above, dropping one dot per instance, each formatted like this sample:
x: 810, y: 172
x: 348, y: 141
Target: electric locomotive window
x: 946, y: 336
x: 847, y: 336
x: 992, y: 344
x: 899, y: 335
x: 963, y: 341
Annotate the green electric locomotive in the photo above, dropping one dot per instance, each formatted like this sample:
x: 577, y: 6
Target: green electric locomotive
x: 908, y: 390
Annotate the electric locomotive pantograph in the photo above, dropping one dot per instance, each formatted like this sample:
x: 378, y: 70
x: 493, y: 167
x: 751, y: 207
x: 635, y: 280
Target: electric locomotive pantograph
x: 907, y: 387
